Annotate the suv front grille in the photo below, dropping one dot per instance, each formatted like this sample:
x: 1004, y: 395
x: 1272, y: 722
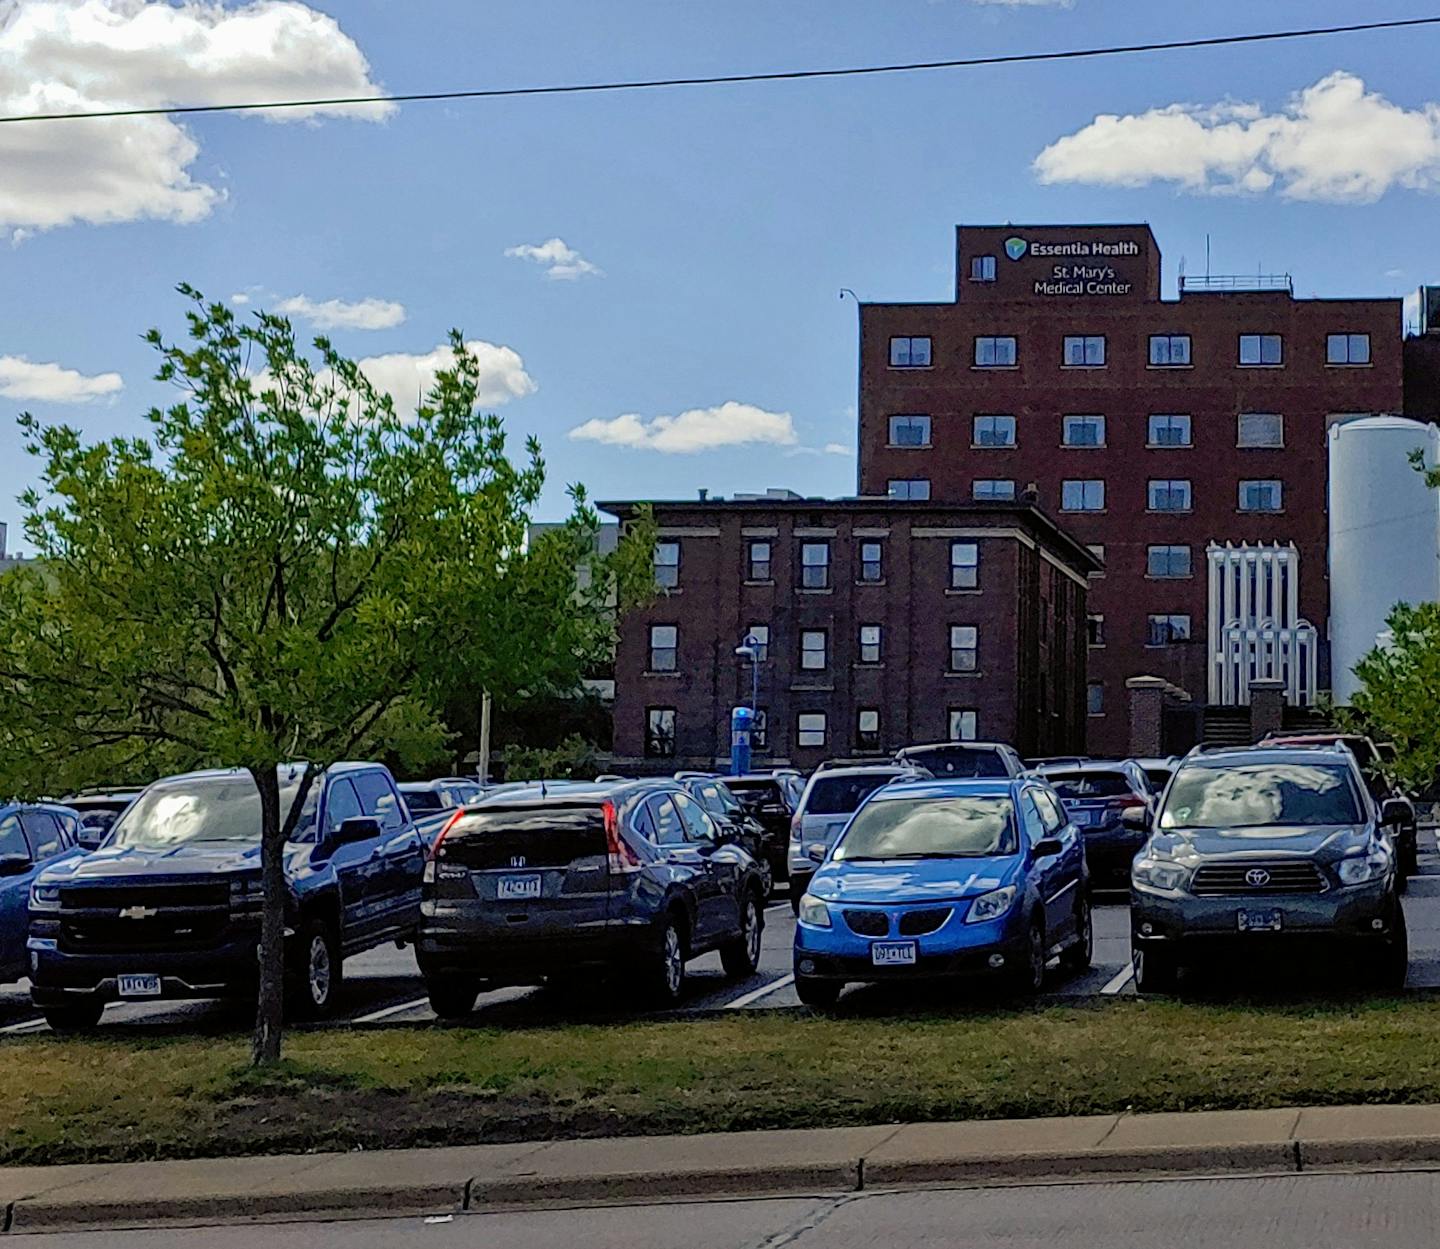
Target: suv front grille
x: 919, y: 923
x: 1287, y: 876
x: 868, y: 923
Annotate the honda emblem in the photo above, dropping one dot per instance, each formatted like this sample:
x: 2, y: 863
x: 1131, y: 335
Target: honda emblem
x: 517, y: 860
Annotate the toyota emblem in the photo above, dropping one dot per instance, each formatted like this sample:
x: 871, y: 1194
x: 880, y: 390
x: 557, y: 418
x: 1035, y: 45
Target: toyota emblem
x: 1257, y: 878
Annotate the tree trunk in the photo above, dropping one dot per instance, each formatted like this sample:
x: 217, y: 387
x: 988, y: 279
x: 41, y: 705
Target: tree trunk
x: 270, y: 1006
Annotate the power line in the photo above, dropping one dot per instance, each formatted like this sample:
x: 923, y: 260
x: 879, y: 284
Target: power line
x: 796, y: 75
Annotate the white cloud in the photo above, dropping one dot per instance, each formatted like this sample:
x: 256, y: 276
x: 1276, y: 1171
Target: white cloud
x: 50, y: 383
x: 81, y: 55
x: 240, y: 297
x: 405, y: 377
x: 337, y: 314
x: 730, y: 424
x: 1334, y: 141
x: 838, y: 448
x: 562, y: 261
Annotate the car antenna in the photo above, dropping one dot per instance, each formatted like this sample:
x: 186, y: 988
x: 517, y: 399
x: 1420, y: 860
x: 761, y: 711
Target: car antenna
x: 543, y: 794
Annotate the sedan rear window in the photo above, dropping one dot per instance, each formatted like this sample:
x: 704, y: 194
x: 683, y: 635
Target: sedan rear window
x: 1084, y: 785
x: 924, y: 828
x: 1260, y: 795
x: 840, y: 795
x: 422, y: 800
x: 963, y: 761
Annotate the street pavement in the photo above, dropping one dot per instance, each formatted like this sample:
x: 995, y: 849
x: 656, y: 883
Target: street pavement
x: 1379, y: 1210
x: 383, y: 986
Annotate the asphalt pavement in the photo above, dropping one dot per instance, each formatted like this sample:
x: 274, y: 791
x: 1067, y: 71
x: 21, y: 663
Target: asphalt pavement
x: 1379, y: 1210
x: 383, y: 986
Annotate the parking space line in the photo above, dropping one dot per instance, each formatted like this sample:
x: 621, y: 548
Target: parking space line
x: 765, y: 990
x: 378, y: 1015
x: 777, y: 906
x: 30, y: 1025
x: 1119, y: 980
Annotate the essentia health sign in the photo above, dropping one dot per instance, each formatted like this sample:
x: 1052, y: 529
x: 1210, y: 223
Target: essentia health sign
x: 1083, y: 271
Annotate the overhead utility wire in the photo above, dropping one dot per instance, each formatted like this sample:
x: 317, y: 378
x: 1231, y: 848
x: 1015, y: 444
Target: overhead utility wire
x: 795, y: 75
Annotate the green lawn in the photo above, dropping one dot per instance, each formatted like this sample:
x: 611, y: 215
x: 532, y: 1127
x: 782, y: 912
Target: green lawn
x: 185, y: 1096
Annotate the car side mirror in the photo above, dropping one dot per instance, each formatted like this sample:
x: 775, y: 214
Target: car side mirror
x: 89, y: 839
x: 1137, y: 819
x: 1048, y: 847
x: 1394, y: 811
x: 815, y: 852
x: 356, y: 828
x: 14, y: 864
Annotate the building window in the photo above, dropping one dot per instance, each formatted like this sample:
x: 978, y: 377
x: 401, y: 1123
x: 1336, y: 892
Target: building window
x: 1095, y: 629
x: 1083, y: 431
x: 1262, y: 349
x: 1262, y: 496
x: 1166, y: 630
x: 910, y: 353
x: 667, y: 564
x: 664, y: 642
x: 1169, y: 496
x: 1347, y: 349
x: 1261, y: 429
x: 1095, y: 698
x: 759, y: 730
x: 1169, y: 349
x: 982, y: 268
x: 1097, y: 549
x: 815, y: 565
x: 1084, y: 351
x: 1169, y: 431
x: 870, y: 644
x: 867, y: 728
x: 964, y: 724
x: 812, y: 650
x: 964, y: 566
x: 908, y: 488
x: 964, y: 648
x: 1167, y: 561
x: 757, y: 637
x: 660, y: 732
x: 810, y: 728
x: 996, y: 353
x: 872, y: 562
x: 993, y: 431
x: 759, y: 561
x: 1082, y: 496
x: 993, y: 490
x: 909, y: 431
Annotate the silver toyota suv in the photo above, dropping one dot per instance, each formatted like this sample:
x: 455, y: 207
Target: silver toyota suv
x: 1262, y: 850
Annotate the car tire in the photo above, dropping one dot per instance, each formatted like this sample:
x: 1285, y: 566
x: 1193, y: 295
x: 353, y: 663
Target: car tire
x: 452, y: 998
x: 741, y: 956
x: 767, y: 878
x: 665, y: 980
x: 313, y: 983
x: 1027, y: 976
x: 1392, y: 962
x: 1078, y: 958
x: 73, y: 1017
x: 1156, y: 971
x: 819, y: 995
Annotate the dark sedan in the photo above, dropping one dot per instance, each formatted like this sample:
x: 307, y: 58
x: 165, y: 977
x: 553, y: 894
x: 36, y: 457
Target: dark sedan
x: 1097, y: 796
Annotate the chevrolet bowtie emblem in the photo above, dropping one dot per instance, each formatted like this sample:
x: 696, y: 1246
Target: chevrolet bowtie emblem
x: 139, y: 912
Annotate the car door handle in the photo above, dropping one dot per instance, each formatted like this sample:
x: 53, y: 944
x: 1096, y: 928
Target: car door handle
x: 377, y: 853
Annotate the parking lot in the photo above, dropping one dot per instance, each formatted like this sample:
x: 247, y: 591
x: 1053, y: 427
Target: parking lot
x: 383, y: 986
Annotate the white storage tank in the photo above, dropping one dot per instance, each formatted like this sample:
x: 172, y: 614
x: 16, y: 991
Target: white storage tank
x: 1384, y: 534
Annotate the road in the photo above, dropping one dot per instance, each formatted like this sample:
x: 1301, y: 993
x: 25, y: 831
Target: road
x: 383, y: 986
x: 1315, y: 1211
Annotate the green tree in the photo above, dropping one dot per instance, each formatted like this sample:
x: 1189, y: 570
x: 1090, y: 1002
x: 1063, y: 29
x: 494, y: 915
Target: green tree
x: 287, y: 569
x: 1399, y: 698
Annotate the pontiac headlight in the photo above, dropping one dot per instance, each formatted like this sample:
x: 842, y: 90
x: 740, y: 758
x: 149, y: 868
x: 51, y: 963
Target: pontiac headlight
x: 991, y: 905
x: 814, y: 912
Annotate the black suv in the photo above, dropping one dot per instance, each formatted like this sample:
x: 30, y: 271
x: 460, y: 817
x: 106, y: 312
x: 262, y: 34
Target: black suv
x: 560, y: 882
x: 772, y: 799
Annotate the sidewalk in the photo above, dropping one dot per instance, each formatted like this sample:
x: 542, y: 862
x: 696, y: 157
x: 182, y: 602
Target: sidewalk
x: 449, y: 1180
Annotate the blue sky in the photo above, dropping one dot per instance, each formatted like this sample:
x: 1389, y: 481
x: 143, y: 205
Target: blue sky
x: 723, y: 221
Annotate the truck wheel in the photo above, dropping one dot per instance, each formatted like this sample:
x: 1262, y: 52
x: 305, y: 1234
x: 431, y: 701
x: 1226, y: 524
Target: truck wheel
x: 451, y: 997
x: 315, y: 972
x: 741, y: 956
x: 1077, y: 959
x: 665, y: 980
x: 819, y: 995
x: 73, y: 1016
x: 1155, y: 971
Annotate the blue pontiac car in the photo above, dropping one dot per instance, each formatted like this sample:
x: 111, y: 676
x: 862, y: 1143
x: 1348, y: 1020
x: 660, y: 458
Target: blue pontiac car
x: 936, y: 879
x: 33, y: 836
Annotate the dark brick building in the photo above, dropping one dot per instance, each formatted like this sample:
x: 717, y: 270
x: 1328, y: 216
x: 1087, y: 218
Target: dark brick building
x: 1150, y: 428
x: 883, y: 623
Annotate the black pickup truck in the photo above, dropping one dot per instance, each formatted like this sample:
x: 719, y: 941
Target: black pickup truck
x: 169, y: 906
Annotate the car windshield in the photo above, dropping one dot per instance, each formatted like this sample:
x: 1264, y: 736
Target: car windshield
x: 840, y: 795
x: 965, y: 761
x: 199, y: 809
x: 1258, y: 795
x: 925, y: 828
x: 1084, y: 785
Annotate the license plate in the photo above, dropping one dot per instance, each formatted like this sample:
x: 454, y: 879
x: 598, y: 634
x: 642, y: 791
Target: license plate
x: 519, y: 887
x: 139, y: 986
x: 1258, y: 921
x: 893, y: 954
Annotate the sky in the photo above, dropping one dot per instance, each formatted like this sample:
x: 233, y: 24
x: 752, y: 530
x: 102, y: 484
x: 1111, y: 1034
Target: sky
x: 652, y: 280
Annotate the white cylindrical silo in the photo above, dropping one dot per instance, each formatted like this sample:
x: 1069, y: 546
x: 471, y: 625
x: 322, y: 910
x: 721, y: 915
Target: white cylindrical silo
x: 1384, y: 534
